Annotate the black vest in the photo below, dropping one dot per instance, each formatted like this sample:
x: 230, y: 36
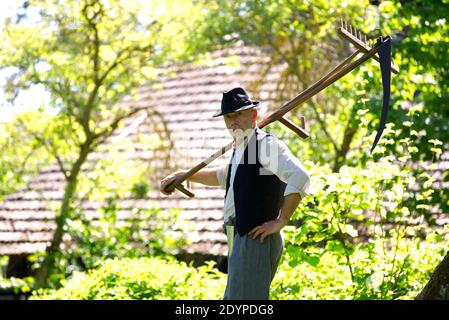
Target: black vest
x: 258, y: 197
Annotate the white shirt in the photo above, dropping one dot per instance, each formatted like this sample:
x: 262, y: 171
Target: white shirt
x: 279, y: 161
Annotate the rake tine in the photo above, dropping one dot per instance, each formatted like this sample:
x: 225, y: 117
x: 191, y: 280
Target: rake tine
x: 369, y: 43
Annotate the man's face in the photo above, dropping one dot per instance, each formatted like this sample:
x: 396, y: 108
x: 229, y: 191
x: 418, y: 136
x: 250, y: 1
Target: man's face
x: 238, y: 122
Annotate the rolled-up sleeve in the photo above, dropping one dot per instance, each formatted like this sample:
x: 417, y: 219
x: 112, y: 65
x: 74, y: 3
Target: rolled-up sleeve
x: 277, y: 158
x: 222, y: 172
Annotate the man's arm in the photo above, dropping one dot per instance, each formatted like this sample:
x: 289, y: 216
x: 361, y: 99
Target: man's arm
x: 291, y: 202
x: 205, y: 176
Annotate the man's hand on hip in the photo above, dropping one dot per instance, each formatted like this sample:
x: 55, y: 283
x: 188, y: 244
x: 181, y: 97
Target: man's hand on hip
x: 291, y: 202
x: 266, y: 229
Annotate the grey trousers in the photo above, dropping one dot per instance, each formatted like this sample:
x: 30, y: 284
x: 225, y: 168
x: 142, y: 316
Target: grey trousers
x: 252, y: 266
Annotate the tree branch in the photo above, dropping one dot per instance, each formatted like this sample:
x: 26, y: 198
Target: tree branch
x: 323, y: 126
x: 100, y: 137
x: 96, y: 66
x: 24, y: 162
x: 53, y: 152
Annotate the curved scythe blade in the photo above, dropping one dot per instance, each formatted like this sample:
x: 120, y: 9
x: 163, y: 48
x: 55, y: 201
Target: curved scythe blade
x: 385, y: 68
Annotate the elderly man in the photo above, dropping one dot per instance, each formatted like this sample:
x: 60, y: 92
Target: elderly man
x: 264, y: 184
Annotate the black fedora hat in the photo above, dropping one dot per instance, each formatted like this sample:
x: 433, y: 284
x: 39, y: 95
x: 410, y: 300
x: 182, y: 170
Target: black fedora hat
x: 235, y: 100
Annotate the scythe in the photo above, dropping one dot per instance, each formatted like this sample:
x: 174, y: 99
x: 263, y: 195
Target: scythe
x: 380, y: 51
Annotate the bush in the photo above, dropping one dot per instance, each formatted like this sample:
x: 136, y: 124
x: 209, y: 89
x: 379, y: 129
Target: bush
x: 13, y: 285
x: 149, y: 232
x: 140, y: 278
x: 358, y: 238
x: 16, y: 286
x: 376, y: 272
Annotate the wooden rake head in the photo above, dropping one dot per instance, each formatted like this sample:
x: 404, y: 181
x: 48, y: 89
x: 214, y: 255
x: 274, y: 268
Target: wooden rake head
x: 354, y: 34
x: 361, y: 41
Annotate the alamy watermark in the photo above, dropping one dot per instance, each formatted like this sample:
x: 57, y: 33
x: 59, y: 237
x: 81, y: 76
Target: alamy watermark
x: 268, y: 149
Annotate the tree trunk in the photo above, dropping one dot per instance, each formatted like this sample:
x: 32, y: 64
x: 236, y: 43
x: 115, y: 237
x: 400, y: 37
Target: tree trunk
x: 61, y: 218
x: 340, y: 155
x: 438, y: 286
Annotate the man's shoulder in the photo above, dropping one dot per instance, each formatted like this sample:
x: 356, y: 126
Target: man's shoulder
x: 261, y: 134
x: 268, y: 140
x: 266, y: 137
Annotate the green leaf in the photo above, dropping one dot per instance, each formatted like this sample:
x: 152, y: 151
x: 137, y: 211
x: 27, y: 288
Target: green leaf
x: 313, y: 260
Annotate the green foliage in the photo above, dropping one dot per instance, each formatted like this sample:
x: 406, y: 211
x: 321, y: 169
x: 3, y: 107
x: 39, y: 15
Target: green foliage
x: 13, y: 285
x: 424, y: 73
x: 3, y: 265
x: 144, y: 278
x: 140, y: 190
x: 23, y: 154
x: 84, y: 47
x: 89, y: 55
x: 398, y: 272
x: 17, y: 286
x: 358, y: 238
x: 422, y: 41
x: 114, y: 234
x: 279, y: 24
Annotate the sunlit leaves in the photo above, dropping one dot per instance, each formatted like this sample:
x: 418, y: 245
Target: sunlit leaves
x: 96, y: 47
x: 141, y: 279
x: 398, y: 273
x: 23, y: 151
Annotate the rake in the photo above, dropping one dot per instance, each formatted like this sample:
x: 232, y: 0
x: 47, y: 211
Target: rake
x: 366, y: 48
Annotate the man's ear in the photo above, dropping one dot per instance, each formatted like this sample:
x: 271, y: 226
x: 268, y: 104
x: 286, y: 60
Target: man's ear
x: 254, y: 115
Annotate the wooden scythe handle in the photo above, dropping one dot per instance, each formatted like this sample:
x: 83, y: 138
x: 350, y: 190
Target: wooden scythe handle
x: 177, y: 184
x: 184, y: 190
x: 299, y: 131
